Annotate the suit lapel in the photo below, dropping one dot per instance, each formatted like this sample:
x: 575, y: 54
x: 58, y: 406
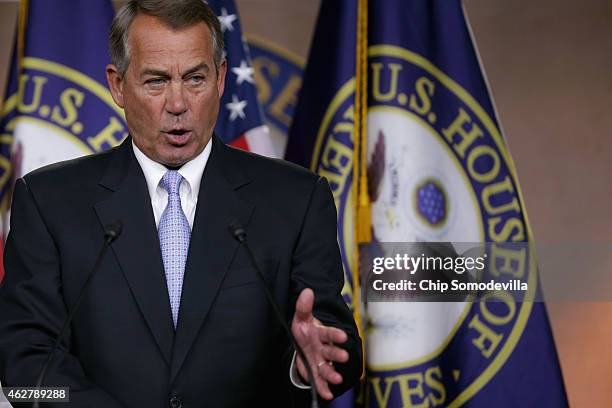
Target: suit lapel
x: 211, y: 249
x: 137, y: 249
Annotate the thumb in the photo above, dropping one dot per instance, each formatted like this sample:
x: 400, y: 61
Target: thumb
x: 303, y: 306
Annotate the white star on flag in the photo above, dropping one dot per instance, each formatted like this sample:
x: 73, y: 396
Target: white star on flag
x: 236, y: 108
x: 226, y: 20
x: 243, y: 72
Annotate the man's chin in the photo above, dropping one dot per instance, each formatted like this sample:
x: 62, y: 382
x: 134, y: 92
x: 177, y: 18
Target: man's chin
x: 177, y: 157
x: 174, y: 163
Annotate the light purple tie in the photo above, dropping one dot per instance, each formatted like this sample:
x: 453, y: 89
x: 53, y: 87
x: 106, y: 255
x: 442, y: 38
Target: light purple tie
x: 174, y: 234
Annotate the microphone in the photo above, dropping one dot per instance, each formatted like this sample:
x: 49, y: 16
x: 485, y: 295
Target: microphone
x: 112, y: 231
x: 239, y: 234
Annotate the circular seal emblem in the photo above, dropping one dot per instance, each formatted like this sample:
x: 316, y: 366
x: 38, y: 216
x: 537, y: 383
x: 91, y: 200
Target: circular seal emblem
x: 58, y: 113
x: 438, y: 171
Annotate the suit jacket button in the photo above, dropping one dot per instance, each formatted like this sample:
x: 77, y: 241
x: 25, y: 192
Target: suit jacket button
x: 175, y: 402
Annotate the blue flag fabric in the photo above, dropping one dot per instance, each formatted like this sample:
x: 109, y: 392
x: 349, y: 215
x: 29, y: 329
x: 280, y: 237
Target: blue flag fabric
x: 330, y: 71
x: 58, y: 106
x: 72, y: 33
x: 438, y: 170
x: 331, y: 65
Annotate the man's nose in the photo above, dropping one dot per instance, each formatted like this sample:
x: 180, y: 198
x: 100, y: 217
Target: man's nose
x: 175, y: 99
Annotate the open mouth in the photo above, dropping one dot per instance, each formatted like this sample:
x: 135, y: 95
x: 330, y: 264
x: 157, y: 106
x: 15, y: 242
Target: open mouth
x: 177, y: 132
x: 178, y: 135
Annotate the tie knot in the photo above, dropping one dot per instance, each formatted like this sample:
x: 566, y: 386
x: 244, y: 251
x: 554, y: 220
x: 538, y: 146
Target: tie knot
x: 171, y: 181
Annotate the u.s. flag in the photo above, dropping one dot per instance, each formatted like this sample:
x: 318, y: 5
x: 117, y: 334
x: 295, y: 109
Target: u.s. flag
x: 240, y: 121
x: 438, y: 169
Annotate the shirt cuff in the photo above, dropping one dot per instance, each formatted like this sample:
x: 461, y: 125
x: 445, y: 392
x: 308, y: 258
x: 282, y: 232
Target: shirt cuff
x: 295, y: 377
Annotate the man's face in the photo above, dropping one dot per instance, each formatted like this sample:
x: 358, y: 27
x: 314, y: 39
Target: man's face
x: 170, y: 92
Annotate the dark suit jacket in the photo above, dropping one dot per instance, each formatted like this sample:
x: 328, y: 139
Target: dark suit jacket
x: 122, y: 350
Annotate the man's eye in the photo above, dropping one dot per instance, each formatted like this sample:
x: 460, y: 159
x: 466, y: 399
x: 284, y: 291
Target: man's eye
x: 196, y: 80
x: 155, y: 82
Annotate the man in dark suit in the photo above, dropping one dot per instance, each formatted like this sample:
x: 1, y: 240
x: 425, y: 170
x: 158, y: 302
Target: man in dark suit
x: 175, y: 316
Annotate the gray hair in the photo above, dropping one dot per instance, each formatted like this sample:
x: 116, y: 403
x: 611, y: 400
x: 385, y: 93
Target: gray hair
x: 176, y: 14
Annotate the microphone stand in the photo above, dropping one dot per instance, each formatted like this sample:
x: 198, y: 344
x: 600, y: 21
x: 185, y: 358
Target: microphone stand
x: 111, y: 232
x: 239, y: 234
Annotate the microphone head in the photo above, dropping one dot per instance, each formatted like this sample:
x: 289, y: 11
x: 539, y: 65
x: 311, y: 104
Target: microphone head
x: 237, y: 231
x: 113, y: 230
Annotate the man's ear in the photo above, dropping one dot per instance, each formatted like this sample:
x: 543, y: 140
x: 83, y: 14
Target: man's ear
x: 115, y: 84
x: 221, y: 77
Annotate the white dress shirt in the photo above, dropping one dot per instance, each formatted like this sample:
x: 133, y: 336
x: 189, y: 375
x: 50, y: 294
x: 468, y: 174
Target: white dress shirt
x: 3, y: 401
x: 192, y: 172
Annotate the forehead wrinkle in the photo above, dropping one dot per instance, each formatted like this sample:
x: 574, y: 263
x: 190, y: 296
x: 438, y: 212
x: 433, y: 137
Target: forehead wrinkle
x: 203, y: 66
x: 154, y: 55
x: 166, y: 41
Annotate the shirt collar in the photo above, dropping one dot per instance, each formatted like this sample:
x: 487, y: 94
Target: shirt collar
x: 191, y: 171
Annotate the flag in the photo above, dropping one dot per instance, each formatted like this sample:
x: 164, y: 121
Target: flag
x: 413, y: 150
x: 322, y: 126
x: 240, y: 122
x: 57, y: 106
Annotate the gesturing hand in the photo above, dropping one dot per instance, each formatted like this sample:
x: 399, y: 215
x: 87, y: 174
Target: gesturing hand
x: 319, y: 345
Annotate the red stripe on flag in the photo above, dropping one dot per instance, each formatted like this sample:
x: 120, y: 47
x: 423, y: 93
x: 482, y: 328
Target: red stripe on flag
x: 1, y: 260
x: 241, y: 143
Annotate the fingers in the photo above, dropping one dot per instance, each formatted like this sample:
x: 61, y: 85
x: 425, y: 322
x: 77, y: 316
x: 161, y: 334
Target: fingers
x: 322, y: 375
x: 334, y: 354
x: 325, y: 374
x: 303, y: 306
x: 327, y: 371
x: 317, y: 341
x: 331, y: 335
x: 329, y: 374
x: 323, y: 389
